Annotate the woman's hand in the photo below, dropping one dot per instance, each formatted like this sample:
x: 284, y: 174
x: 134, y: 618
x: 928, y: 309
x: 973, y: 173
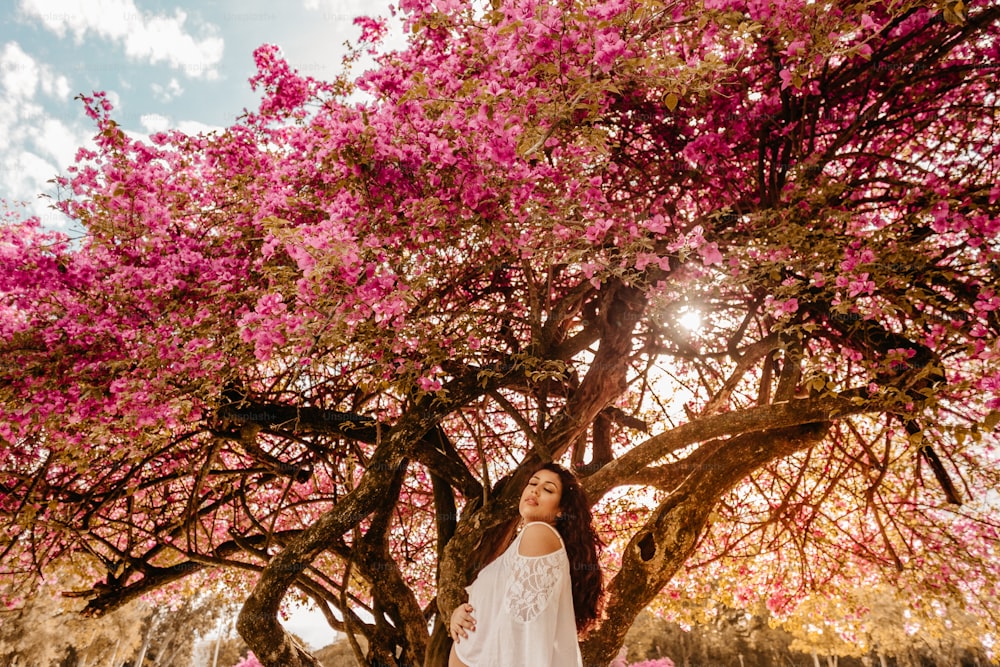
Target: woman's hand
x: 462, y: 622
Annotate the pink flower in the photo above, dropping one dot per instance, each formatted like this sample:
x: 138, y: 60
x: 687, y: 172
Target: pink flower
x: 788, y: 307
x: 795, y: 47
x: 372, y: 30
x: 285, y: 89
x: 597, y: 230
x: 862, y: 285
x: 249, y: 661
x: 658, y: 662
x: 940, y: 213
x: 710, y: 254
x: 609, y: 48
x: 786, y: 78
x: 428, y: 384
x: 987, y: 301
x: 656, y: 224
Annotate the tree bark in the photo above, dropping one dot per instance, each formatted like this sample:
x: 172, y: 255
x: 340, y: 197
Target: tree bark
x: 618, y: 314
x: 145, y: 645
x: 671, y: 533
x: 258, y: 622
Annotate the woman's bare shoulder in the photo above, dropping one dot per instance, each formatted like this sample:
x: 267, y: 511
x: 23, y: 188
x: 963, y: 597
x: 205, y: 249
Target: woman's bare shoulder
x: 539, y: 539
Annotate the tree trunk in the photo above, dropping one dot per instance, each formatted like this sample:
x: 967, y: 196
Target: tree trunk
x: 605, y: 381
x: 145, y: 645
x: 671, y: 532
x: 215, y: 653
x: 439, y: 647
x: 257, y: 621
x: 114, y: 654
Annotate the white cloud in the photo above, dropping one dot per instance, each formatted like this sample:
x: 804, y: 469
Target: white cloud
x: 54, y: 138
x: 18, y: 72
x: 23, y: 170
x: 35, y: 145
x: 21, y: 76
x: 154, y: 122
x: 193, y: 127
x: 114, y: 98
x: 350, y: 8
x: 168, y: 92
x: 56, y: 86
x: 144, y: 36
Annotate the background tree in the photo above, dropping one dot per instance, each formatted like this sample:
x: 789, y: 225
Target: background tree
x: 39, y: 627
x: 933, y: 629
x: 43, y: 627
x: 177, y: 626
x: 325, y: 346
x: 230, y: 651
x: 820, y: 631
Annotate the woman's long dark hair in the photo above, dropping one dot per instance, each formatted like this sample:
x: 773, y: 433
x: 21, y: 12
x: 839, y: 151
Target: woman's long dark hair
x: 575, y: 525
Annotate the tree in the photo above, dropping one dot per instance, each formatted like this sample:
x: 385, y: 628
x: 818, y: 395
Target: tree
x: 175, y: 625
x: 934, y: 628
x: 42, y: 628
x: 819, y: 630
x: 325, y: 346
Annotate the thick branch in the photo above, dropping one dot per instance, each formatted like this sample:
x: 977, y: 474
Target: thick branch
x: 606, y: 379
x: 258, y: 620
x: 778, y: 415
x: 670, y: 534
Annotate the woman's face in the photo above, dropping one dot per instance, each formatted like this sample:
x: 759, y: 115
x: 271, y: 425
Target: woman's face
x: 540, y: 498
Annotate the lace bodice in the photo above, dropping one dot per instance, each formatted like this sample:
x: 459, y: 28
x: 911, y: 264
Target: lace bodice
x: 533, y: 584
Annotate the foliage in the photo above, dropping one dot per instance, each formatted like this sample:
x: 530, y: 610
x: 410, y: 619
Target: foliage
x: 45, y: 626
x: 878, y: 619
x: 305, y: 349
x: 249, y: 661
x: 40, y: 627
x: 659, y: 662
x: 760, y: 640
x: 176, y: 624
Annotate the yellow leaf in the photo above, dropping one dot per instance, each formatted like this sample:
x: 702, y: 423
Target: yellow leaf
x: 671, y: 101
x: 954, y: 13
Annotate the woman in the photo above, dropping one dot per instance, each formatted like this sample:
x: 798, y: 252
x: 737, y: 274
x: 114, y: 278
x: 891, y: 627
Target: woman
x: 527, y: 605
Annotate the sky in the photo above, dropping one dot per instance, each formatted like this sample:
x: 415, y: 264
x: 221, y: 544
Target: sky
x: 164, y: 64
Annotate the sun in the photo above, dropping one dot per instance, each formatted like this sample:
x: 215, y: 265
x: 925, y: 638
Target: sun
x: 690, y: 319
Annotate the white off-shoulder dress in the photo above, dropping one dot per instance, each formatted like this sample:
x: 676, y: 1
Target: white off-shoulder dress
x: 523, y: 606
